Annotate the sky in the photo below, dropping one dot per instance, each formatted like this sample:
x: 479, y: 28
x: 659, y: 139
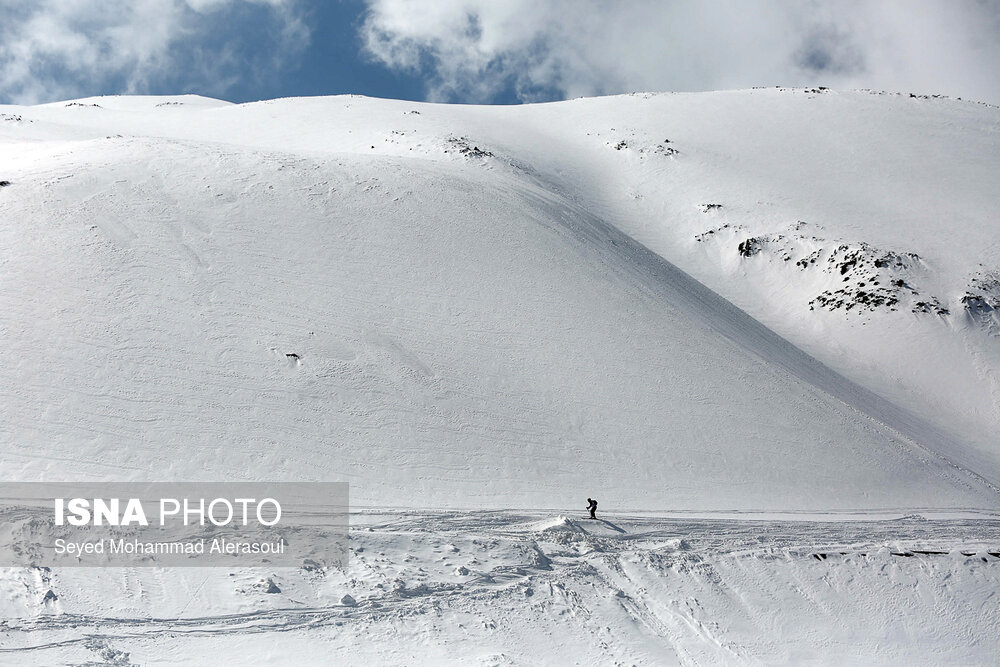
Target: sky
x: 492, y: 51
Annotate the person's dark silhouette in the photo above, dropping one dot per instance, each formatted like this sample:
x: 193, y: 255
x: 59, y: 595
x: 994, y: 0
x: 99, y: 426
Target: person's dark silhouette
x: 592, y: 506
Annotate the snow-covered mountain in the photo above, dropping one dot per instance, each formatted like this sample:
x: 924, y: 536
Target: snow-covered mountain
x: 767, y: 300
x: 482, y: 306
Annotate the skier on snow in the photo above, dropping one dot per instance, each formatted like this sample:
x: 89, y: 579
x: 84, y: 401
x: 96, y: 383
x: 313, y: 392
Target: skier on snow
x: 592, y: 506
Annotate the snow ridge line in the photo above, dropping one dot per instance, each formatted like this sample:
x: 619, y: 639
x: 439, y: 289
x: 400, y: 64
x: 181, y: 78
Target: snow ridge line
x: 666, y: 281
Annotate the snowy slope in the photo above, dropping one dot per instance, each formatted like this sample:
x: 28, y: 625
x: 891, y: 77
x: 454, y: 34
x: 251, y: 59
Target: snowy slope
x: 487, y: 307
x: 471, y: 323
x: 490, y: 588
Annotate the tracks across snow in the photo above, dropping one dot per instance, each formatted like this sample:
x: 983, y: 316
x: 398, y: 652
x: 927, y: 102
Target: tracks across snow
x: 538, y: 587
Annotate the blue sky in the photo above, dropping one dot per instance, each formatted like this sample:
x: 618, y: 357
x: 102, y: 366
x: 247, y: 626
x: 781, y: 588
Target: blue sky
x: 491, y: 51
x: 334, y: 62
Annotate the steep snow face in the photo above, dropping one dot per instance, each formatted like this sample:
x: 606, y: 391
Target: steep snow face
x: 860, y: 226
x: 465, y: 307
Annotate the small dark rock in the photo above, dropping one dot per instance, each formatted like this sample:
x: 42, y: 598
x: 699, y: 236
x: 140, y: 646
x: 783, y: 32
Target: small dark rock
x: 749, y: 247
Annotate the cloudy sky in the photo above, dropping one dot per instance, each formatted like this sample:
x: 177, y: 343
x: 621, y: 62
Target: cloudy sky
x: 492, y: 51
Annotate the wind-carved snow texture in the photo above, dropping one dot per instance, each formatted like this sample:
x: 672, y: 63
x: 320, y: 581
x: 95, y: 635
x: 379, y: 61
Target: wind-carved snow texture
x: 512, y: 588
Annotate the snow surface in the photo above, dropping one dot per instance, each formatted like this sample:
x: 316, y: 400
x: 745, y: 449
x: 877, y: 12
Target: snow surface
x: 492, y: 588
x: 762, y: 307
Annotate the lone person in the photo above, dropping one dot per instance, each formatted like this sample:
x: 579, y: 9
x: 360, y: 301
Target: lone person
x: 592, y: 506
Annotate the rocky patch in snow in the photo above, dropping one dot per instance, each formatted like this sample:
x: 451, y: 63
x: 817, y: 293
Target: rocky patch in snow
x: 710, y: 233
x: 629, y: 140
x: 872, y: 279
x: 463, y: 146
x: 863, y: 277
x: 981, y: 301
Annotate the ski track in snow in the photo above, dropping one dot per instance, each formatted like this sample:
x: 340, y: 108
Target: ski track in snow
x: 541, y: 588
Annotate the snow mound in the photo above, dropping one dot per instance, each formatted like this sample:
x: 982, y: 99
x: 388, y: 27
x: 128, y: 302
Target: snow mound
x: 558, y: 524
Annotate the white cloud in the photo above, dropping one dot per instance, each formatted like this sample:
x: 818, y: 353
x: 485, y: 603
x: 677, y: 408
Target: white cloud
x: 59, y: 49
x: 472, y: 50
